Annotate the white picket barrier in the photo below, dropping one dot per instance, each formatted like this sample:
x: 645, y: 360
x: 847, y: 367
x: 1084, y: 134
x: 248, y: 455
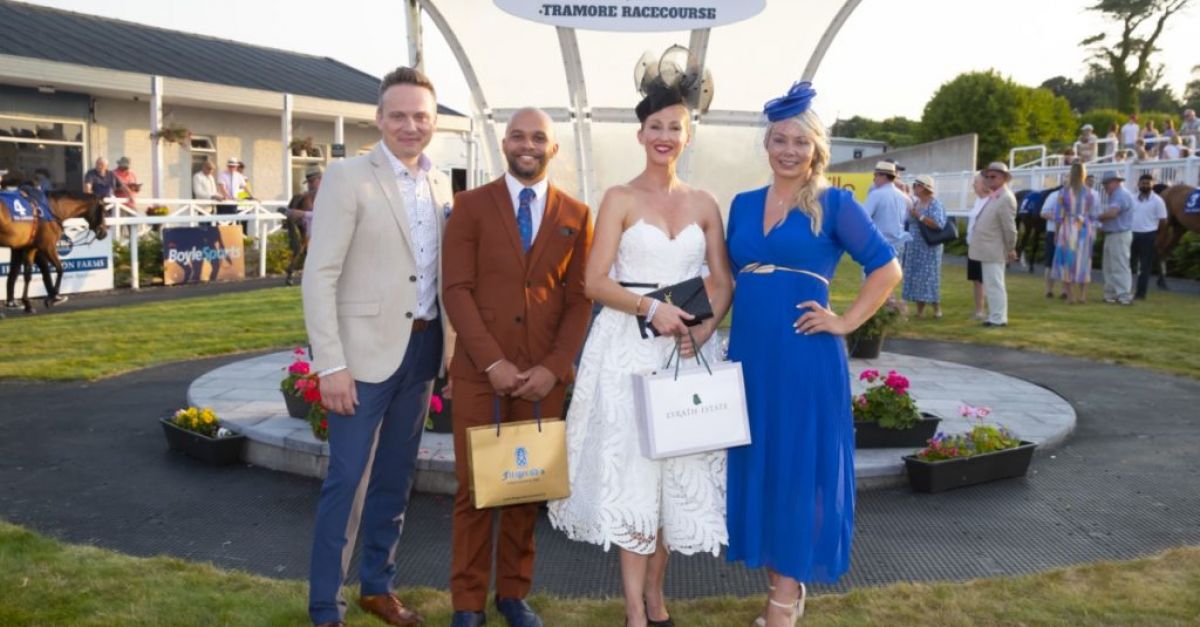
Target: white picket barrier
x: 260, y: 217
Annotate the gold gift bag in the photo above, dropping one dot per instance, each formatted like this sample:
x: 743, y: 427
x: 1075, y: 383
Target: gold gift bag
x: 518, y: 462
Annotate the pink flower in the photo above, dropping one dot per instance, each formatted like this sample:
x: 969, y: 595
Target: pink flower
x: 435, y: 404
x: 305, y: 383
x: 298, y: 351
x: 298, y: 367
x: 312, y: 395
x: 869, y: 375
x: 983, y: 412
x: 862, y: 401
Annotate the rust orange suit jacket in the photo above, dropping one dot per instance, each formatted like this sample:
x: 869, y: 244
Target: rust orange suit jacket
x: 504, y: 304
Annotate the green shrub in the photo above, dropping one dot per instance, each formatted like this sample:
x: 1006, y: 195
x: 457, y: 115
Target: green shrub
x: 150, y: 260
x: 1184, y: 261
x: 279, y: 254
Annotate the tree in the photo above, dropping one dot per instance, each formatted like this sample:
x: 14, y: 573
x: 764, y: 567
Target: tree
x: 1002, y: 113
x: 1191, y: 93
x: 896, y: 131
x: 1141, y: 23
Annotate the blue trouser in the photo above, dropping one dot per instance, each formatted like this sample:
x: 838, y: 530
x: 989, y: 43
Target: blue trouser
x: 372, y: 463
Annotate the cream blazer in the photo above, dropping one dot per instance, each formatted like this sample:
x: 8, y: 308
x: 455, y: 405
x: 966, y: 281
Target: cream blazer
x: 359, y: 283
x: 995, y: 232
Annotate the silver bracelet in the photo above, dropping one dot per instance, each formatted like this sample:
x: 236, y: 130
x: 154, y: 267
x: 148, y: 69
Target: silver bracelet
x: 653, y: 308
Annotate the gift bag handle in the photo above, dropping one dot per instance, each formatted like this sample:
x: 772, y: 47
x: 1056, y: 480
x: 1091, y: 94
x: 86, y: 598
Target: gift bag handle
x: 700, y: 358
x: 537, y: 413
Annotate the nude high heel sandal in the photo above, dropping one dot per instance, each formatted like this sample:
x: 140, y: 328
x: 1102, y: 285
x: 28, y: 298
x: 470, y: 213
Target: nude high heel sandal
x: 797, y: 608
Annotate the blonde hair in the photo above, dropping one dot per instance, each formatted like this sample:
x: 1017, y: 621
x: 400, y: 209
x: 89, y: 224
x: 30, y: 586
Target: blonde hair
x: 808, y: 198
x: 1076, y: 181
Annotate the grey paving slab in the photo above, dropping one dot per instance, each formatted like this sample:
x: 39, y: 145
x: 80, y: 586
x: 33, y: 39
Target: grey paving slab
x: 249, y: 388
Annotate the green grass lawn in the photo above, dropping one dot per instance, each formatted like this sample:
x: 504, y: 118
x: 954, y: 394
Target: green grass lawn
x: 96, y: 343
x: 1160, y: 333
x: 45, y: 582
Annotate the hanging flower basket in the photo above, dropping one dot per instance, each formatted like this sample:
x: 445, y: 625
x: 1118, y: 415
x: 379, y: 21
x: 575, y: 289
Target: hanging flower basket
x: 172, y: 135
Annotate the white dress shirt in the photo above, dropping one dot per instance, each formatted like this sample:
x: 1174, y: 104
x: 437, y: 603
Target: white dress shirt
x: 537, y: 206
x: 422, y: 225
x: 980, y: 203
x: 234, y: 182
x: 1147, y: 213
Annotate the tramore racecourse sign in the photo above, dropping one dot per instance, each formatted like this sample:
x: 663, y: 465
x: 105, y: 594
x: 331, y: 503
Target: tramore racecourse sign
x: 635, y: 15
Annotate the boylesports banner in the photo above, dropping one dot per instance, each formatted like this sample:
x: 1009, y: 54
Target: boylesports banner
x: 858, y: 183
x: 87, y: 262
x: 202, y: 254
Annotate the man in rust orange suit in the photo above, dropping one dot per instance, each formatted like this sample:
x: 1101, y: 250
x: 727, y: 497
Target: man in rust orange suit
x: 513, y: 260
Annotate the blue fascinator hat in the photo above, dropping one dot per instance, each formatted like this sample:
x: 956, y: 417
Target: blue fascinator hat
x: 793, y: 103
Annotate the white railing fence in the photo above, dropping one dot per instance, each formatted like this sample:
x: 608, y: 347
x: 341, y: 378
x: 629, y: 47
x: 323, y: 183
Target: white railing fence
x: 957, y: 196
x: 261, y: 219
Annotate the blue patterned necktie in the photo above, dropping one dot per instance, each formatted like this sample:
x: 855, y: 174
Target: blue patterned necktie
x: 525, y: 218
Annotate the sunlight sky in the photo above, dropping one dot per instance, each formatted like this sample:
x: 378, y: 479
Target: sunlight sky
x: 888, y: 60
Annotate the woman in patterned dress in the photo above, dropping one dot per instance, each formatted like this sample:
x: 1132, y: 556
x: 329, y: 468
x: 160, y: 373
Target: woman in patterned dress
x: 1075, y: 228
x: 922, y: 262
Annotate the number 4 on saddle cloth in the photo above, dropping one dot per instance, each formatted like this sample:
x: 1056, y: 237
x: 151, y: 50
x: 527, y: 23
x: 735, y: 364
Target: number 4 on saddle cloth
x: 27, y: 204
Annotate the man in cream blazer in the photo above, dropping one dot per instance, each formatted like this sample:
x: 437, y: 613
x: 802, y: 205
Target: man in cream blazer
x: 992, y: 241
x: 371, y: 306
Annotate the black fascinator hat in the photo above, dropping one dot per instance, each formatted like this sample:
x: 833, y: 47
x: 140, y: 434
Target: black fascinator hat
x: 659, y: 96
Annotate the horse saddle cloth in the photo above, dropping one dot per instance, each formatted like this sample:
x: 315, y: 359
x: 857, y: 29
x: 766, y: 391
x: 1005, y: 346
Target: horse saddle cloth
x: 1032, y: 203
x: 1193, y: 202
x: 24, y: 207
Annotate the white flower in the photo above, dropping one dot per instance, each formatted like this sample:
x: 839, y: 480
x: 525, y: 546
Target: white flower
x: 223, y: 432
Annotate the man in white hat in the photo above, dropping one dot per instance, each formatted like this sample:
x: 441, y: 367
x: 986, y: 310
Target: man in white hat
x: 1085, y: 148
x: 1117, y: 223
x: 992, y: 241
x: 887, y: 206
x: 231, y: 183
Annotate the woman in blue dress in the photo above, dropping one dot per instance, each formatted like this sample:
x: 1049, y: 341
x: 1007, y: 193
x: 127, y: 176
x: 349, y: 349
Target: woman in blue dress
x: 790, y: 501
x: 923, y: 262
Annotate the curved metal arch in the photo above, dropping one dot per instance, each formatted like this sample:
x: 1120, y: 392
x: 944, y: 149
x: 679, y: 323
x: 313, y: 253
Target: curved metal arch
x: 464, y: 63
x: 835, y: 25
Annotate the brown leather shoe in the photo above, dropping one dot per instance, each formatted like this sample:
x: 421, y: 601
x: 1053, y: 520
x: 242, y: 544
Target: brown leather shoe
x: 388, y: 608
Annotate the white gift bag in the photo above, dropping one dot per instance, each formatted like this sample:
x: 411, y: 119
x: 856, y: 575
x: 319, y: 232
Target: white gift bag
x: 693, y: 410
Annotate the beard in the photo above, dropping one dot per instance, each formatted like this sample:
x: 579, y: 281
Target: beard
x: 534, y: 171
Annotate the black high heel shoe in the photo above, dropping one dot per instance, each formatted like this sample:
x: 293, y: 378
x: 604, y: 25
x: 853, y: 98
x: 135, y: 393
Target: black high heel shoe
x: 666, y: 622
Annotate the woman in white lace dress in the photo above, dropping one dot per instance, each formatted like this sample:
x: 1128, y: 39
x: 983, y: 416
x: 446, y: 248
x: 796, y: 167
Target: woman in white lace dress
x: 653, y: 231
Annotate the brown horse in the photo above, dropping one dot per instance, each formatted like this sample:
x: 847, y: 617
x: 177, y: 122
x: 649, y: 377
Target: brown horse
x: 1178, y: 221
x: 27, y: 239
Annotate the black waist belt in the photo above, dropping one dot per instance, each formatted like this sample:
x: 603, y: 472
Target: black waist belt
x: 650, y: 286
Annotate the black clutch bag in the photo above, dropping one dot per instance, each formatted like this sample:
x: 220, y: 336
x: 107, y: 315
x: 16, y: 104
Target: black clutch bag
x: 689, y: 296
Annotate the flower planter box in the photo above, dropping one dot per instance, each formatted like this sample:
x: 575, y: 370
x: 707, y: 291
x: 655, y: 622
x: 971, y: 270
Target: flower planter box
x: 871, y: 435
x: 296, y: 406
x: 948, y: 474
x: 864, y: 347
x: 215, y: 451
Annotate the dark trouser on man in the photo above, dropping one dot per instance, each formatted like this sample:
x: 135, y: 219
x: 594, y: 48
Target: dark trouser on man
x: 229, y: 210
x: 372, y: 462
x: 1142, y: 250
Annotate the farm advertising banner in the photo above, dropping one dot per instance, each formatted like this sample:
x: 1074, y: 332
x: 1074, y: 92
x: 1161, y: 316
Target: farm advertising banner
x: 87, y: 262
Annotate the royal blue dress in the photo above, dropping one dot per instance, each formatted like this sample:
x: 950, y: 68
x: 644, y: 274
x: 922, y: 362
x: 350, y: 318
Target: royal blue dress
x: 790, y: 501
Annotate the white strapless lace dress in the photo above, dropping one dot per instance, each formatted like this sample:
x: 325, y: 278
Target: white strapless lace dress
x: 617, y: 495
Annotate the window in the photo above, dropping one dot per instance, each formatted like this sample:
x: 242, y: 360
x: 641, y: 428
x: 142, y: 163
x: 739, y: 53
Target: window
x: 203, y: 149
x: 53, y: 148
